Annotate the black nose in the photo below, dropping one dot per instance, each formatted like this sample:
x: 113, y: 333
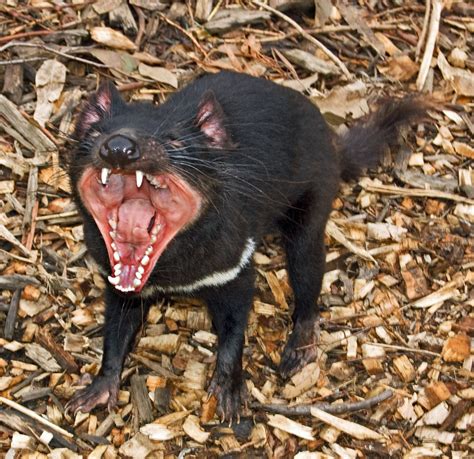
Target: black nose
x: 119, y: 151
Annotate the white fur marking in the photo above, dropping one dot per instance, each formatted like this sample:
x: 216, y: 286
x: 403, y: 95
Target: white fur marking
x: 212, y: 280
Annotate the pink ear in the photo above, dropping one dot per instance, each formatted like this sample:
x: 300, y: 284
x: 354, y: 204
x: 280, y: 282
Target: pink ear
x: 99, y: 106
x: 211, y: 120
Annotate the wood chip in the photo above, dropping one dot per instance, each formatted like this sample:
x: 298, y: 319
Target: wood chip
x: 192, y: 428
x: 348, y: 427
x: 456, y: 348
x: 404, y: 368
x: 290, y: 426
x: 158, y: 432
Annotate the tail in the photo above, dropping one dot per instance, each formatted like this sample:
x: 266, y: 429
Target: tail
x: 364, y: 144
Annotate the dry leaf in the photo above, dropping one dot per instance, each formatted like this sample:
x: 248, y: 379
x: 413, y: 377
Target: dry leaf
x: 50, y: 79
x: 310, y: 62
x: 401, y: 68
x: 112, y: 38
x: 118, y: 60
x: 159, y: 74
x: 344, y: 101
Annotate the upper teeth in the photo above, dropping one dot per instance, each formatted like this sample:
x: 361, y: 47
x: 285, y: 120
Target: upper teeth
x: 104, y: 175
x: 157, y: 182
x: 139, y: 177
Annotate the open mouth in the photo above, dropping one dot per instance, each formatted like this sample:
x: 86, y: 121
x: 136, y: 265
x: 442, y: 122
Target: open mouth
x: 137, y: 214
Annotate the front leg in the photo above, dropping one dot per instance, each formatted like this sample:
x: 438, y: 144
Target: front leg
x: 123, y: 319
x: 229, y: 306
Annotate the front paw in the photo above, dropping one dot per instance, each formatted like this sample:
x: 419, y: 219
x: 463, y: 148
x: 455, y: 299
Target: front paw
x: 300, y: 349
x: 102, y: 391
x: 229, y: 392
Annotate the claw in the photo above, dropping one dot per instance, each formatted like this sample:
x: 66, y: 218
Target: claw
x: 300, y: 349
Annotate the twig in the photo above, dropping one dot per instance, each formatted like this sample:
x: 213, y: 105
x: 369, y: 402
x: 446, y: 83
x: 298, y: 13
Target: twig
x: 71, y: 213
x: 53, y: 51
x: 393, y: 347
x: 188, y: 34
x: 22, y: 61
x: 141, y: 25
x: 339, y: 408
x: 430, y: 43
x: 308, y: 37
x: 35, y: 33
x: 36, y: 417
x: 424, y: 31
x: 419, y: 192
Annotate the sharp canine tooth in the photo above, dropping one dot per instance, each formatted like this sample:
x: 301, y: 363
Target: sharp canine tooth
x: 137, y: 282
x: 141, y: 269
x: 116, y: 256
x: 104, y: 175
x: 145, y: 260
x: 114, y: 280
x: 139, y: 177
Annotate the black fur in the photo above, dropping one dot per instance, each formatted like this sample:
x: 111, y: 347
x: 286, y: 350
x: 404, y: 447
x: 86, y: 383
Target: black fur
x: 268, y: 162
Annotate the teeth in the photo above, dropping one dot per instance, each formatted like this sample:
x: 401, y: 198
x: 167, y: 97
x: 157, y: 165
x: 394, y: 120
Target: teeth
x: 139, y: 177
x: 138, y: 275
x: 156, y: 181
x: 141, y: 269
x: 145, y: 260
x: 118, y: 269
x: 113, y: 224
x: 124, y: 289
x: 117, y: 256
x: 136, y: 282
x: 113, y: 234
x: 104, y: 175
x: 156, y: 230
x: 113, y: 245
x: 114, y: 280
x: 149, y: 250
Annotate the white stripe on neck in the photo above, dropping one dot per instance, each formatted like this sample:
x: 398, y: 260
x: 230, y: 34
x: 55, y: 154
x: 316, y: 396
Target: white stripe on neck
x: 212, y: 280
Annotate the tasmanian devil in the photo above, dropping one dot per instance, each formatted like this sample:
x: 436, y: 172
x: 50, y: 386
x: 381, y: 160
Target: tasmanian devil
x: 176, y: 197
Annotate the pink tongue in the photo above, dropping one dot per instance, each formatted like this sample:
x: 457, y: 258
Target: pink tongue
x: 134, y: 218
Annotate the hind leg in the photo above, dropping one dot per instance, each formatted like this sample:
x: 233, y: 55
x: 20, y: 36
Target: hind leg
x: 303, y: 233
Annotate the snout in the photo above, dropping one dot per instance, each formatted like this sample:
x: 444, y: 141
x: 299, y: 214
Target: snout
x: 120, y: 150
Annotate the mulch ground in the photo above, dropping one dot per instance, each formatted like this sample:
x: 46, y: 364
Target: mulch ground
x: 394, y: 372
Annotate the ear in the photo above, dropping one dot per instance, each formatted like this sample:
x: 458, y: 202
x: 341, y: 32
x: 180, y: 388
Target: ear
x: 102, y: 104
x: 211, y: 121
